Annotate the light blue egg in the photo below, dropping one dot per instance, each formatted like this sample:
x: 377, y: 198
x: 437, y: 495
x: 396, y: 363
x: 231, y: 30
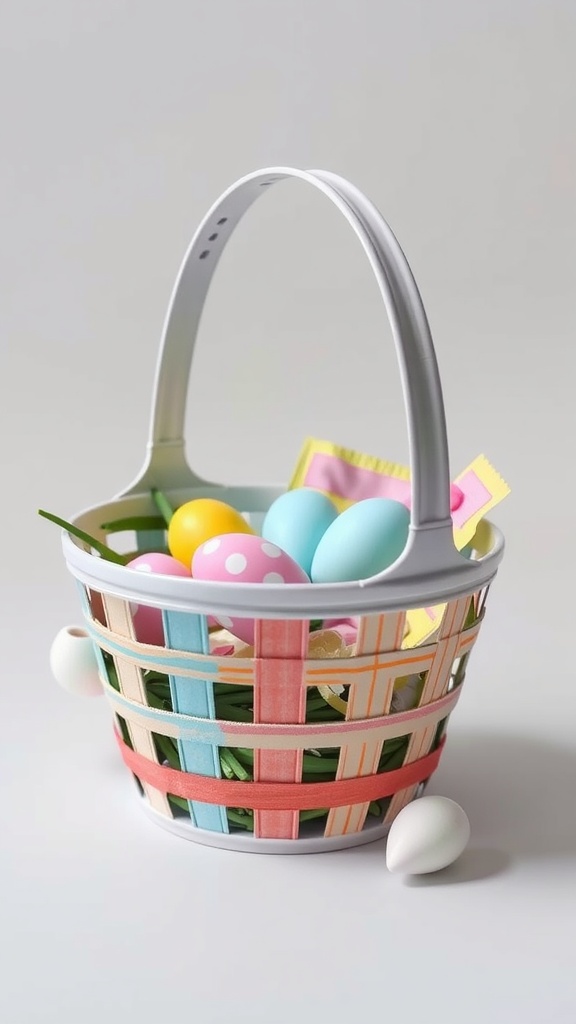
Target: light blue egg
x: 297, y: 521
x: 364, y: 540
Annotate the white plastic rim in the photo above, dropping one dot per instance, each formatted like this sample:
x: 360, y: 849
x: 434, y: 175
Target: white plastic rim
x: 247, y: 843
x: 295, y: 600
x: 430, y: 570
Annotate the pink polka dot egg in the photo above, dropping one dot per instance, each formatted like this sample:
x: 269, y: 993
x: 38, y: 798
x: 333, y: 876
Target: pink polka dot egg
x: 244, y: 558
x: 148, y: 625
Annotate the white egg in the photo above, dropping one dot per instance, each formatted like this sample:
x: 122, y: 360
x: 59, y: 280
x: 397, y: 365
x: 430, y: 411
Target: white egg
x: 427, y: 835
x: 73, y: 662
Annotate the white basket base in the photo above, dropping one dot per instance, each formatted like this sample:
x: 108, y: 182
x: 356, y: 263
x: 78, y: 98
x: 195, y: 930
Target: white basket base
x: 249, y: 844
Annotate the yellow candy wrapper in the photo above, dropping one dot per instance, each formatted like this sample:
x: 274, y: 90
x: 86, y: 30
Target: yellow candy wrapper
x: 347, y: 476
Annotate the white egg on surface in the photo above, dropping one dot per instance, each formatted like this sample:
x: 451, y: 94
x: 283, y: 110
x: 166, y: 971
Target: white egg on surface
x: 73, y: 662
x: 427, y: 835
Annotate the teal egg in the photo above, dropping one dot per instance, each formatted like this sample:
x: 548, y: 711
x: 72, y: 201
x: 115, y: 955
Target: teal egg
x: 297, y: 521
x: 364, y: 540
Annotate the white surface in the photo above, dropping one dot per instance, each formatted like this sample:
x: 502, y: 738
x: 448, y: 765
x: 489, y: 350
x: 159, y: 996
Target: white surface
x: 122, y: 122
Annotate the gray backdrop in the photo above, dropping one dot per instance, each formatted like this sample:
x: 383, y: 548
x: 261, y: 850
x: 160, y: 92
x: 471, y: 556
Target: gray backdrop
x: 121, y: 123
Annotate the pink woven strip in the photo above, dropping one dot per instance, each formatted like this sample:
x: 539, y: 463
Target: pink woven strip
x: 277, y: 796
x: 280, y: 697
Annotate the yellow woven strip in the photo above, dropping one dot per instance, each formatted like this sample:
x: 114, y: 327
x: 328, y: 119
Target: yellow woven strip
x: 132, y: 686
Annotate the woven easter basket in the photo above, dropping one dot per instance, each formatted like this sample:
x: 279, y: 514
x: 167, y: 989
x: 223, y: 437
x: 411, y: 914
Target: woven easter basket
x: 273, y: 809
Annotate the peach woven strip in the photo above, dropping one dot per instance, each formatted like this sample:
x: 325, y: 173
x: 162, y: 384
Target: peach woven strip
x: 274, y: 736
x: 276, y: 796
x: 435, y: 686
x: 240, y: 671
x: 279, y: 696
x: 438, y: 677
x: 376, y: 634
x: 132, y: 686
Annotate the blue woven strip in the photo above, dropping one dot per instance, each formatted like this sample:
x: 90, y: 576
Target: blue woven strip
x: 185, y: 631
x: 158, y: 662
x: 194, y: 730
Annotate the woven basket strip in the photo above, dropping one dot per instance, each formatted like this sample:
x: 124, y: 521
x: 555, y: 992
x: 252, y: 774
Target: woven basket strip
x: 279, y: 697
x: 88, y: 615
x: 435, y: 686
x: 191, y: 664
x: 240, y: 671
x: 278, y: 796
x: 438, y: 676
x: 480, y: 599
x: 185, y: 631
x: 131, y: 684
x: 275, y: 736
x: 377, y: 634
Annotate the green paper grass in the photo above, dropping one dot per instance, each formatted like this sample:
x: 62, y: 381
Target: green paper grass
x: 163, y: 505
x: 136, y: 523
x: 102, y: 549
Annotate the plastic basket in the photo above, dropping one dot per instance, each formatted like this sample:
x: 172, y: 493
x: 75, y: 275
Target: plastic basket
x: 429, y: 572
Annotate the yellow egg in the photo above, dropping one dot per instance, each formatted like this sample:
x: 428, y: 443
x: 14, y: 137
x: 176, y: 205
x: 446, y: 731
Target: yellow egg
x: 200, y: 520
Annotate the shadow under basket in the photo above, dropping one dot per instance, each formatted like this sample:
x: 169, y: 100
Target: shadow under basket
x: 282, y: 751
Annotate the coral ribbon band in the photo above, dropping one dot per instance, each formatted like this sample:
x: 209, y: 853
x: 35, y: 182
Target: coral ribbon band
x: 278, y: 796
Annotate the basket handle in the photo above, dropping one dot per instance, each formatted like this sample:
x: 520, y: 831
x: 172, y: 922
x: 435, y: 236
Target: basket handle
x: 166, y: 462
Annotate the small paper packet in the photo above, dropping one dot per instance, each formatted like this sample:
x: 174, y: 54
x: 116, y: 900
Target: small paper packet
x: 347, y: 476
